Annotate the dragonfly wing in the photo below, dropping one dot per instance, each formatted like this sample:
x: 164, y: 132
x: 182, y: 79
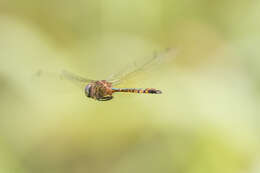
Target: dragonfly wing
x: 135, y: 68
x: 76, y: 79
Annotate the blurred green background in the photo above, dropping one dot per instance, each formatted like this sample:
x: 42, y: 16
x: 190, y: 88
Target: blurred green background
x: 206, y: 120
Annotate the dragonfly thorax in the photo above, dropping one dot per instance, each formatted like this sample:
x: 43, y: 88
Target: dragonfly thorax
x: 99, y: 90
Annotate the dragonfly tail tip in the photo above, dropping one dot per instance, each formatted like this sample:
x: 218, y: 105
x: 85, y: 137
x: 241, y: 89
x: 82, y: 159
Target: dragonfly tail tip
x: 158, y: 92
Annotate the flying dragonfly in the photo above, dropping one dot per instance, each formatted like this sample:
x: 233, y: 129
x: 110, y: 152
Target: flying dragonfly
x: 103, y: 90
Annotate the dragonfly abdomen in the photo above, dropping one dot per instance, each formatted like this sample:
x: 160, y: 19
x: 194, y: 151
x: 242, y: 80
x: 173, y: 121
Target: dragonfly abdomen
x: 135, y: 90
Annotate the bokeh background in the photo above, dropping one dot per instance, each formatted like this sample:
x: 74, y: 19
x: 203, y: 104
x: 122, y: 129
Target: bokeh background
x: 206, y: 120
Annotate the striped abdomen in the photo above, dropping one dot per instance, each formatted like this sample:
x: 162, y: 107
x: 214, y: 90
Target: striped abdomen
x: 134, y: 90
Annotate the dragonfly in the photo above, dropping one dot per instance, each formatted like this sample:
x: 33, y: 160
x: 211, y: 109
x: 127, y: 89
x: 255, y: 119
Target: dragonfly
x: 103, y: 90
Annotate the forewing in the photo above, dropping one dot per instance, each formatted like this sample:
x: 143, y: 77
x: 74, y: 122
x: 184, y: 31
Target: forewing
x: 135, y: 68
x: 76, y: 79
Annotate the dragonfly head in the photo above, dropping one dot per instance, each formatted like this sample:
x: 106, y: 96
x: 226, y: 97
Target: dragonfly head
x: 88, y: 90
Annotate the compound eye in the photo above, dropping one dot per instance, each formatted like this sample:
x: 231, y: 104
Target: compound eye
x: 88, y: 90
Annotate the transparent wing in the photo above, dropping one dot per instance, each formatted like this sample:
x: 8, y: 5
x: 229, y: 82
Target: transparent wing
x: 76, y: 79
x: 135, y: 68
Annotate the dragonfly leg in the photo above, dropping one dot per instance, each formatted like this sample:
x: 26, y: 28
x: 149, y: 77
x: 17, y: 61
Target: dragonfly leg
x: 105, y: 98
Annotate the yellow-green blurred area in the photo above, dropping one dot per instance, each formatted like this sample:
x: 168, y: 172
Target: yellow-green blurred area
x: 206, y: 120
